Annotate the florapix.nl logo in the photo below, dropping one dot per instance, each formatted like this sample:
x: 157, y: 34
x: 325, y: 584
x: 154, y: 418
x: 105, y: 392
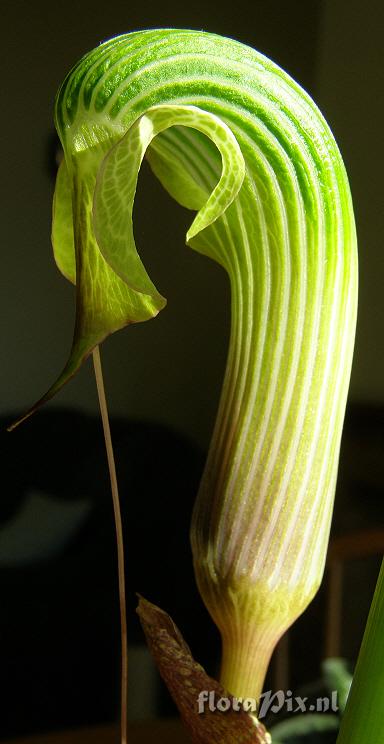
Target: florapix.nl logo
x: 269, y: 702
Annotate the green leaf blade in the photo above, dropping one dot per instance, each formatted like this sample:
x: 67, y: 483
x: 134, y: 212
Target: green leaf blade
x: 363, y: 719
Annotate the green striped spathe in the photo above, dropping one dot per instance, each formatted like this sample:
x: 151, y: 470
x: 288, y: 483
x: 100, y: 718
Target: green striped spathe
x: 233, y: 137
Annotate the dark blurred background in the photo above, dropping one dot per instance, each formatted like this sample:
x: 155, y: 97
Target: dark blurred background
x: 59, y: 616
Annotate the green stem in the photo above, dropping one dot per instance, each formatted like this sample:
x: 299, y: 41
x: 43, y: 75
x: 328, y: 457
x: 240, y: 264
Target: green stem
x: 119, y: 540
x: 363, y: 720
x: 245, y: 659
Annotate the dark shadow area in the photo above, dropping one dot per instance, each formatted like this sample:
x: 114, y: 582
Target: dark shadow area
x: 59, y: 624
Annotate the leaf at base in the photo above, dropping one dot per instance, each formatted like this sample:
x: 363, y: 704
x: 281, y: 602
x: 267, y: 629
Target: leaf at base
x: 186, y: 679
